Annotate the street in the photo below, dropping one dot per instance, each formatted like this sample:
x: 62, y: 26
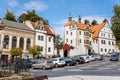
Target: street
x: 96, y: 68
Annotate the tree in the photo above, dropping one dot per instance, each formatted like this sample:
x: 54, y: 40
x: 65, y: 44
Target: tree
x: 58, y: 43
x: 87, y: 22
x: 16, y: 51
x: 116, y: 24
x: 22, y: 18
x: 94, y: 22
x: 34, y: 50
x: 9, y: 16
x: 32, y: 16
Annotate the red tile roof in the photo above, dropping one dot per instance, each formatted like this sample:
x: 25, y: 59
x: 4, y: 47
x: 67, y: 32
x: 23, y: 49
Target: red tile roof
x: 68, y: 23
x: 49, y: 30
x: 96, y: 29
x: 47, y: 27
x: 79, y: 25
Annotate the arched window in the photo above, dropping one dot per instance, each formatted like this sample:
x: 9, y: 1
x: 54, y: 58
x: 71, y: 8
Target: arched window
x: 28, y: 43
x: 105, y: 50
x: 6, y: 41
x: 14, y: 41
x: 101, y: 49
x: 21, y: 44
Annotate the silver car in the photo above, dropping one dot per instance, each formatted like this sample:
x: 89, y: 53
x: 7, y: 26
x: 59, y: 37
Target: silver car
x: 43, y: 64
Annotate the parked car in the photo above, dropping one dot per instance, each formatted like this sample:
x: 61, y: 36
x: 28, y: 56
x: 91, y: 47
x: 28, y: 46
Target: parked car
x: 69, y: 62
x: 114, y: 57
x: 79, y: 60
x: 92, y: 57
x: 44, y: 64
x: 58, y: 62
x: 97, y: 56
x: 85, y: 57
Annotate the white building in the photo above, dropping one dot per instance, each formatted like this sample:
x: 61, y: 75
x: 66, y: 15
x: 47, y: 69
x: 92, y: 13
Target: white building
x: 86, y: 39
x: 44, y: 37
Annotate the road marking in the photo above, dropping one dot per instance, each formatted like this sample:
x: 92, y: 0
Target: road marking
x: 74, y: 70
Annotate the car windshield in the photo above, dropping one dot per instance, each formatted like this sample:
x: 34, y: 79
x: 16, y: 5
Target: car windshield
x: 114, y: 56
x: 61, y: 59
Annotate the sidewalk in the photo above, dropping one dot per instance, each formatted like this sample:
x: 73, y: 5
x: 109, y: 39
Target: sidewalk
x: 76, y: 77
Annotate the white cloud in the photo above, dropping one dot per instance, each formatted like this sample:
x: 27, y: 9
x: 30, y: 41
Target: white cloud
x: 36, y: 5
x: 13, y: 3
x: 59, y: 25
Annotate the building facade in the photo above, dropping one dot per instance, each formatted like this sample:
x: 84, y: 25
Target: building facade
x: 44, y: 37
x: 14, y: 34
x: 85, y: 38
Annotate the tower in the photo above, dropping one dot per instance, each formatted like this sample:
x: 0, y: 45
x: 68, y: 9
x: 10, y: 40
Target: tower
x: 70, y: 17
x: 79, y: 18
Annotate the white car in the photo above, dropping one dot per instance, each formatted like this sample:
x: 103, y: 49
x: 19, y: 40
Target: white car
x: 57, y: 62
x: 86, y: 57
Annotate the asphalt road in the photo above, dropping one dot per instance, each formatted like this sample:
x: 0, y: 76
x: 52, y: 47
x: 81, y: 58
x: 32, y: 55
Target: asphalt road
x: 96, y: 68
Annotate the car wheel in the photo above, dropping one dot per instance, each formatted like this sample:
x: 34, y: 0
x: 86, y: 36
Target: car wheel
x: 33, y: 67
x: 68, y: 64
x: 43, y: 67
x: 56, y: 65
x: 77, y: 62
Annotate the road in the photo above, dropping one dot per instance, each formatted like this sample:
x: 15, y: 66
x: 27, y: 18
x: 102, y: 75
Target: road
x: 96, y: 68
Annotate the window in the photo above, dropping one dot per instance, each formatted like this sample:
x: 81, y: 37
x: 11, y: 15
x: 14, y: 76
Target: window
x: 80, y: 32
x: 6, y: 41
x: 40, y: 37
x: 101, y: 49
x: 66, y: 40
x: 21, y: 44
x: 80, y: 40
x: 105, y: 50
x: 109, y: 43
x: 109, y: 50
x: 28, y: 43
x: 49, y: 49
x: 109, y: 36
x: 71, y: 41
x: 67, y: 32
x: 90, y: 42
x: 101, y: 34
x: 41, y: 48
x: 14, y: 41
x: 71, y: 33
x: 104, y: 34
x: 112, y: 43
x: 49, y: 39
x: 86, y: 41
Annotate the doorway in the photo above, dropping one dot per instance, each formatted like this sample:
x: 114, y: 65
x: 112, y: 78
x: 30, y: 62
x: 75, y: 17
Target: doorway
x: 89, y: 51
x: 65, y: 53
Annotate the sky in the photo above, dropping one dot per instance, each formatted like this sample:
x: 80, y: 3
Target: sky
x: 57, y: 11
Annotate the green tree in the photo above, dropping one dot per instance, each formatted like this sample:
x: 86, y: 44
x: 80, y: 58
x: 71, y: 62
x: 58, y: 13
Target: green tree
x: 116, y: 24
x: 32, y: 16
x: 94, y: 22
x: 58, y: 43
x: 34, y: 50
x: 9, y: 16
x: 16, y: 51
x: 22, y: 18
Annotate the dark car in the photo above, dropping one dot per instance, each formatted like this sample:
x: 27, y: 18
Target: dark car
x: 79, y: 60
x: 69, y: 62
x: 114, y: 57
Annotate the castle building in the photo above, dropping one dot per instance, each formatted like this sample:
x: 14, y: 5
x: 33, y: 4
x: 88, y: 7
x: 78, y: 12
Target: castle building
x: 83, y: 38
